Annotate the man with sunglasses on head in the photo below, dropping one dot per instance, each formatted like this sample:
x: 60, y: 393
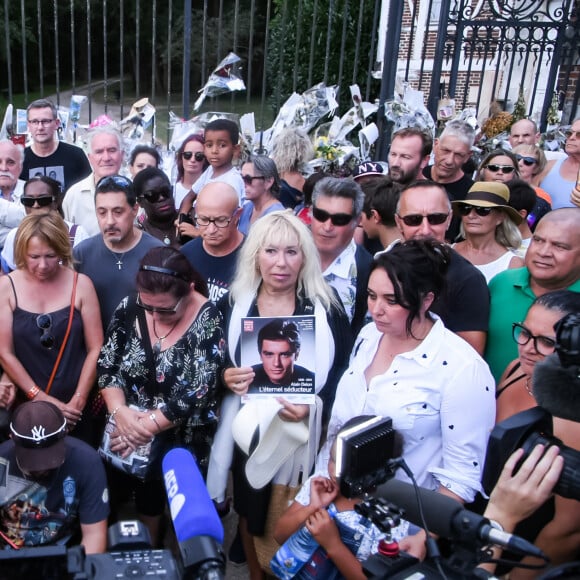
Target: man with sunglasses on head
x: 47, y: 155
x: 111, y: 259
x: 560, y: 176
x: 52, y: 486
x: 105, y: 146
x: 336, y: 212
x: 214, y: 254
x: 424, y: 211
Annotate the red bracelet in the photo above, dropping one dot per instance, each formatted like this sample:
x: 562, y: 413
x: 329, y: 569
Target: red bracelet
x: 32, y: 392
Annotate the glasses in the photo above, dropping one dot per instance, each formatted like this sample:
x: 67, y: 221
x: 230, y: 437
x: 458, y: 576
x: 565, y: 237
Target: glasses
x: 42, y: 122
x: 153, y: 196
x: 44, y: 323
x: 464, y: 209
x: 416, y: 219
x: 218, y: 222
x: 337, y: 219
x: 505, y: 169
x: 42, y: 201
x: 569, y: 134
x: 529, y: 161
x: 113, y: 182
x: 542, y: 344
x: 249, y: 179
x: 148, y: 308
x: 198, y: 156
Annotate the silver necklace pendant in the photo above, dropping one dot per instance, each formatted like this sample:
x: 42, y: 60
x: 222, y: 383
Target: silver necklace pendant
x: 166, y: 240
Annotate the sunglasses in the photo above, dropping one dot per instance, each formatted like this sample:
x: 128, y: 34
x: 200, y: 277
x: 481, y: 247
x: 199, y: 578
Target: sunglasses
x: 44, y: 323
x: 529, y: 161
x: 505, y: 169
x: 569, y: 134
x: 337, y: 219
x: 416, y: 219
x: 198, y: 156
x: 542, y: 344
x: 42, y: 201
x: 249, y: 179
x: 464, y: 209
x: 148, y: 308
x: 153, y: 196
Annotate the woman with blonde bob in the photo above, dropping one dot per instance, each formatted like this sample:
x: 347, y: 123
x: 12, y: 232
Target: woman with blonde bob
x: 35, y: 313
x: 278, y: 274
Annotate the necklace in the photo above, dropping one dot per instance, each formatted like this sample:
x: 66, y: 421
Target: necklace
x: 160, y: 339
x: 528, y: 387
x: 119, y: 262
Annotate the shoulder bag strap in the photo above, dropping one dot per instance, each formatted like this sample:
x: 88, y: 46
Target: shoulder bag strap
x: 66, y: 334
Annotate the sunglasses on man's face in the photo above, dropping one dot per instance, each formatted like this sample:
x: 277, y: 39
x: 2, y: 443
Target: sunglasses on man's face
x: 336, y: 219
x: 198, y: 156
x: 465, y: 209
x: 42, y: 201
x: 505, y: 169
x: 529, y: 161
x: 416, y: 219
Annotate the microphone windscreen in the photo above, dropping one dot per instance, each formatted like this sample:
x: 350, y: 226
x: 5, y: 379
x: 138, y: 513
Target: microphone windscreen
x: 192, y: 510
x: 557, y: 388
x: 439, y: 509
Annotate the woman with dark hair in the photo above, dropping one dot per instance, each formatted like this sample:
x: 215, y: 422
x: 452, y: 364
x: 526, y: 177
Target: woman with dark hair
x: 40, y: 195
x: 158, y: 369
x: 191, y: 163
x: 499, y: 165
x: 262, y: 186
x: 155, y: 195
x: 143, y: 156
x: 406, y: 365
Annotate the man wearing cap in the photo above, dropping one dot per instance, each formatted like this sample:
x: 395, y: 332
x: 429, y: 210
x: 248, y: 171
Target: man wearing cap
x: 552, y: 263
x: 424, y: 211
x: 50, y: 483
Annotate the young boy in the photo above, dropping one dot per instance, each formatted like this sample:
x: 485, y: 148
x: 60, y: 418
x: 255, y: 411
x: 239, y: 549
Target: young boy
x: 310, y: 509
x: 221, y: 144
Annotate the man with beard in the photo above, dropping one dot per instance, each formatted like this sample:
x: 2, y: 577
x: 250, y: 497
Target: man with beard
x: 409, y: 154
x: 451, y: 151
x: 11, y: 210
x: 155, y: 195
x: 111, y: 259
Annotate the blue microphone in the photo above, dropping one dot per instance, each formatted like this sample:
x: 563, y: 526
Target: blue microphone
x: 198, y: 528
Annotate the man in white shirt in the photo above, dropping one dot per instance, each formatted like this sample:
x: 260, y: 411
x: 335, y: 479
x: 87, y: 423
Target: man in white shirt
x: 105, y: 155
x: 11, y: 210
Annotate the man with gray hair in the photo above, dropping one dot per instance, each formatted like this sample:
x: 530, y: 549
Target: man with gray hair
x: 11, y: 210
x: 336, y: 212
x: 105, y: 146
x: 47, y: 155
x: 451, y: 151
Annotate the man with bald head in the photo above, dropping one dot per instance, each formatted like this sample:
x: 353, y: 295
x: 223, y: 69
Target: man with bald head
x: 552, y: 263
x: 11, y: 210
x: 524, y: 132
x: 214, y: 253
x: 424, y: 211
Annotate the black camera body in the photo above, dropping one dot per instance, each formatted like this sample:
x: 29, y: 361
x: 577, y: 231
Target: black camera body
x: 526, y: 430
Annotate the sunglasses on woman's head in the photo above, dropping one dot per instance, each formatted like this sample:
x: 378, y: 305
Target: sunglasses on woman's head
x: 505, y: 169
x: 464, y: 209
x: 198, y: 156
x: 42, y: 201
x: 529, y: 161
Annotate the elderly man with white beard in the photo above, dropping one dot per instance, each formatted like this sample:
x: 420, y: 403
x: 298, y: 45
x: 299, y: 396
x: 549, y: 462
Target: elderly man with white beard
x: 11, y: 210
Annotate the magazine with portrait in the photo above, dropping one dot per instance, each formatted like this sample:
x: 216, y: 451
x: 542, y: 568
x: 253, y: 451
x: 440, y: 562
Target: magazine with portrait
x: 281, y: 351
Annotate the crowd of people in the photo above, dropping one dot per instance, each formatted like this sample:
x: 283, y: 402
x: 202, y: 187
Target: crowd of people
x: 431, y: 291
